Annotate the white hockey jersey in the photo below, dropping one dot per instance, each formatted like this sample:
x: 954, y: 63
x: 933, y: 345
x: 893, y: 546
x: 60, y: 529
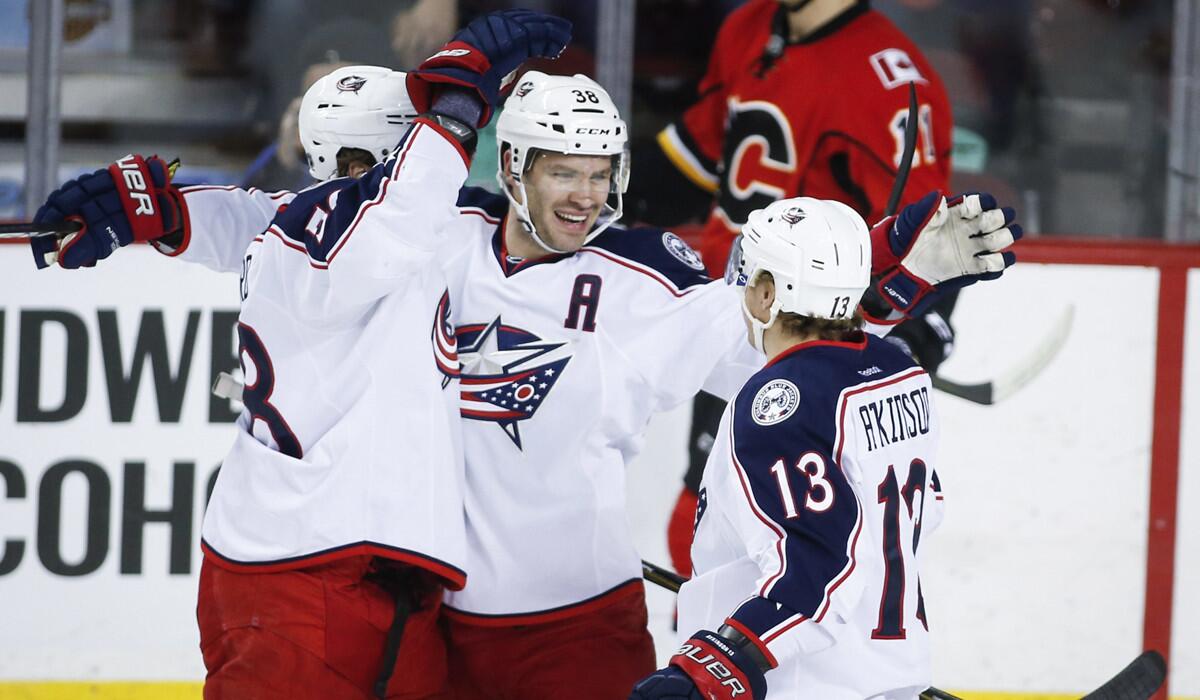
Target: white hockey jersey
x: 349, y: 441
x: 564, y: 360
x: 814, y: 501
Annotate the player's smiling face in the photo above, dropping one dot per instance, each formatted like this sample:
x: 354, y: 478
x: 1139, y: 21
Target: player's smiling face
x: 566, y: 194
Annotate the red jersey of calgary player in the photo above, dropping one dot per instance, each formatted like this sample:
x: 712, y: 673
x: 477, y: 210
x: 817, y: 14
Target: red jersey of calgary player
x: 824, y: 117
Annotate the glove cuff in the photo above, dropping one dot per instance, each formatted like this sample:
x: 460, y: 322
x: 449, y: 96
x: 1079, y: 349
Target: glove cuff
x: 720, y: 669
x: 754, y: 648
x: 179, y: 235
x: 903, y: 290
x: 460, y: 135
x: 882, y: 257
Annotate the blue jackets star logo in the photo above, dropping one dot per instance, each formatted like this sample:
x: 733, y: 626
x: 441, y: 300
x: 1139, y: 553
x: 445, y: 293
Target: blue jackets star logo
x: 445, y: 346
x: 507, y: 373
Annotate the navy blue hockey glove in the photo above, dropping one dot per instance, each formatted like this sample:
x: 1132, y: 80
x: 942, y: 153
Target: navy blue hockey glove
x: 130, y: 200
x: 935, y: 245
x: 483, y: 56
x: 928, y: 339
x: 707, y: 667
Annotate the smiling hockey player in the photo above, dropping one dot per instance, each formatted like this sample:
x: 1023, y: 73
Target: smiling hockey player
x: 571, y: 333
x: 326, y: 547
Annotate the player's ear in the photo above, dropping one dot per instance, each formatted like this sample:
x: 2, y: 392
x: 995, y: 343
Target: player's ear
x: 506, y: 174
x: 760, y: 294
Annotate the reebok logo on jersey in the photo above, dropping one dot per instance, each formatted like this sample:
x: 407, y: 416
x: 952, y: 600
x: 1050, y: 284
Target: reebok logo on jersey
x: 774, y: 402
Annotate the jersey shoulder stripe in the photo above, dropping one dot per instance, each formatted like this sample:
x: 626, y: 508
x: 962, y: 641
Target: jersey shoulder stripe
x: 322, y: 217
x: 653, y: 251
x: 484, y: 203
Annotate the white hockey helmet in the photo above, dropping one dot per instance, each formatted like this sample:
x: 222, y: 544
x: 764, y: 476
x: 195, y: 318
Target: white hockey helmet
x: 363, y: 107
x: 561, y: 114
x: 818, y: 252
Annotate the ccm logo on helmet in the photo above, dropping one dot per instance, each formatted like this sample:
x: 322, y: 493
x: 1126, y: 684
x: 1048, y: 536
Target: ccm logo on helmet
x: 136, y: 184
x: 593, y: 131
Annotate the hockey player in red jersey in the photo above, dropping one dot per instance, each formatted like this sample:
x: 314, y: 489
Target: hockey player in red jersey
x: 818, y: 489
x: 571, y: 333
x: 801, y: 98
x: 807, y: 97
x: 326, y: 549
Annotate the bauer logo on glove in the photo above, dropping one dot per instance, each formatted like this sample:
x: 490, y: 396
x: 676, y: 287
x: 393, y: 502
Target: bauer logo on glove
x: 131, y: 200
x: 135, y: 184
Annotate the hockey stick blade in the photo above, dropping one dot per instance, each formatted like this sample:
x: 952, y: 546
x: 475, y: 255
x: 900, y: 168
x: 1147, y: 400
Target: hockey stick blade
x: 27, y: 229
x: 1140, y: 680
x: 673, y: 582
x: 1007, y: 384
x: 936, y: 694
x: 910, y: 146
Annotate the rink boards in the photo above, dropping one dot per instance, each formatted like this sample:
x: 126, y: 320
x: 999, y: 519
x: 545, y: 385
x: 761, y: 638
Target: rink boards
x: 1038, y: 582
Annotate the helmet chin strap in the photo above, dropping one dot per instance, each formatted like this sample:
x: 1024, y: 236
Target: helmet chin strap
x: 523, y: 216
x: 757, y: 327
x: 527, y: 222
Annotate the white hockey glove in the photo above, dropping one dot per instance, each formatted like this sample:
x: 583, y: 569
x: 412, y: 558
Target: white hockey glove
x: 935, y: 245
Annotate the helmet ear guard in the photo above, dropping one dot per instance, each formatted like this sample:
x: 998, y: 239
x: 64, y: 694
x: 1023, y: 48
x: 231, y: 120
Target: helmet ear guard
x: 818, y: 253
x: 364, y: 107
x: 571, y: 115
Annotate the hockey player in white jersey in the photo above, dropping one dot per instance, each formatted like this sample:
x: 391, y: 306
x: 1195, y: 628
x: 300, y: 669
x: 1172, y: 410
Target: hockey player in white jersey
x: 818, y: 489
x: 337, y: 519
x: 571, y: 333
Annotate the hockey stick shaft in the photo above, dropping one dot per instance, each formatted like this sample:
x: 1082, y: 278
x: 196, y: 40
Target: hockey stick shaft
x: 662, y: 577
x: 910, y: 147
x: 27, y: 229
x: 673, y: 582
